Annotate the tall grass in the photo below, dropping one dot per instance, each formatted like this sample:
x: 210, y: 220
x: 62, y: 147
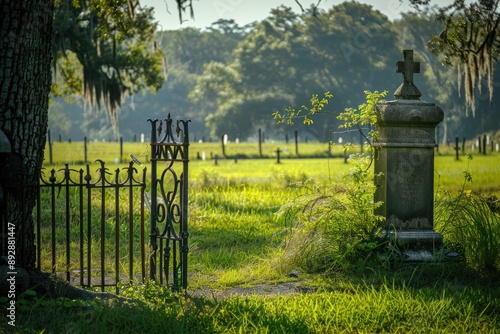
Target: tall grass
x: 335, y: 227
x: 471, y: 226
x: 470, y: 223
x: 236, y: 242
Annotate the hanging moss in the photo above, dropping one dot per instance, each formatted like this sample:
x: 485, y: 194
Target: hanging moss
x: 114, y: 45
x: 469, y: 41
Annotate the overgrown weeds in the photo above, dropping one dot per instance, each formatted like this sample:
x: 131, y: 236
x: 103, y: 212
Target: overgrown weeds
x: 334, y: 227
x: 470, y: 223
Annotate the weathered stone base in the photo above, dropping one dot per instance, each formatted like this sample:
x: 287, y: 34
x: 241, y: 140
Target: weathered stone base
x: 419, y: 246
x: 420, y: 256
x: 416, y: 240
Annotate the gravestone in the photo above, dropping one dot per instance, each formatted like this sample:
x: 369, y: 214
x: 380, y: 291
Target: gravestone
x: 404, y: 166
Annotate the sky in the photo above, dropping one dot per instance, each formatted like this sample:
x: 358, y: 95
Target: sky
x: 246, y: 11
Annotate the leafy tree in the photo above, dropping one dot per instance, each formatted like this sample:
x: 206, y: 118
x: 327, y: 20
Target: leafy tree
x: 288, y: 57
x: 272, y: 67
x: 469, y: 40
x: 187, y: 51
x: 28, y: 43
x: 266, y: 73
x: 356, y: 47
x: 437, y: 82
x: 108, y: 49
x: 229, y: 28
x: 192, y: 48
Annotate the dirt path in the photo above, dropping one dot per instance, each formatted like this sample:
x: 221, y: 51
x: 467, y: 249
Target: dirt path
x: 260, y: 289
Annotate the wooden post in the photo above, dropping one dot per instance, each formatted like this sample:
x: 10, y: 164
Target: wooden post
x: 278, y: 151
x: 121, y: 148
x: 296, y: 133
x: 260, y: 143
x: 50, y: 146
x: 85, y: 149
x: 223, y: 146
x: 484, y: 145
x: 456, y: 148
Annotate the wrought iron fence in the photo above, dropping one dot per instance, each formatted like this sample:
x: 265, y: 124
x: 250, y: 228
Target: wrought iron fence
x: 90, y: 225
x: 93, y: 233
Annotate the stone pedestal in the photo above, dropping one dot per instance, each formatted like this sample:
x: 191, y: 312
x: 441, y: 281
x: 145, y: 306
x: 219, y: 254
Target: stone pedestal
x: 404, y: 174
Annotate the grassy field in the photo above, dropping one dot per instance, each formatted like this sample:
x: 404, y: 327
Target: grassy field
x: 237, y: 283
x: 313, y: 162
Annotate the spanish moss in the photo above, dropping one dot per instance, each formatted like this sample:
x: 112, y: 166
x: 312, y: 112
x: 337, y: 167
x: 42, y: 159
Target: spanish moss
x: 469, y: 41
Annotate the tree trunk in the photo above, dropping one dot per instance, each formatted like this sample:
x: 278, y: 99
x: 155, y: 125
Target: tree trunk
x: 25, y: 78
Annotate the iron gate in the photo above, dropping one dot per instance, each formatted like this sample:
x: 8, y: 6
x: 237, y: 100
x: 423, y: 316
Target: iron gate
x: 169, y: 200
x: 90, y: 226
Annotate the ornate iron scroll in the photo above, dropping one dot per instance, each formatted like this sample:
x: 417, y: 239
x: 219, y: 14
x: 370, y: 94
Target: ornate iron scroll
x: 169, y: 202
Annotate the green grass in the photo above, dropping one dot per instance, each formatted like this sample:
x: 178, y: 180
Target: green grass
x: 342, y: 309
x: 236, y: 241
x: 485, y: 171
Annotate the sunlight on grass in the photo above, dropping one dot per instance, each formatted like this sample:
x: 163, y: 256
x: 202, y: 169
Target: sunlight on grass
x: 235, y: 240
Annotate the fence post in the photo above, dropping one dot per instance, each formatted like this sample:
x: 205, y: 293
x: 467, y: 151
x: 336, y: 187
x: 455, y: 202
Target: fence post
x: 260, y: 143
x: 121, y: 148
x: 223, y: 145
x: 484, y: 145
x: 50, y: 146
x: 85, y: 149
x: 296, y: 133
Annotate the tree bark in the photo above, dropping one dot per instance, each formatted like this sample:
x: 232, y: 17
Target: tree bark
x: 25, y: 79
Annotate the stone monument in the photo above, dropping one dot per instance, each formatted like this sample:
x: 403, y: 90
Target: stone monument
x: 404, y: 166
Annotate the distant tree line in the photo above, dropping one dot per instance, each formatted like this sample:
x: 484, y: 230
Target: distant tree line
x: 229, y: 79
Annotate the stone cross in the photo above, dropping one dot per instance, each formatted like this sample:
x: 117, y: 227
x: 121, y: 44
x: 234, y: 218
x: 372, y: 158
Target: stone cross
x: 407, y: 90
